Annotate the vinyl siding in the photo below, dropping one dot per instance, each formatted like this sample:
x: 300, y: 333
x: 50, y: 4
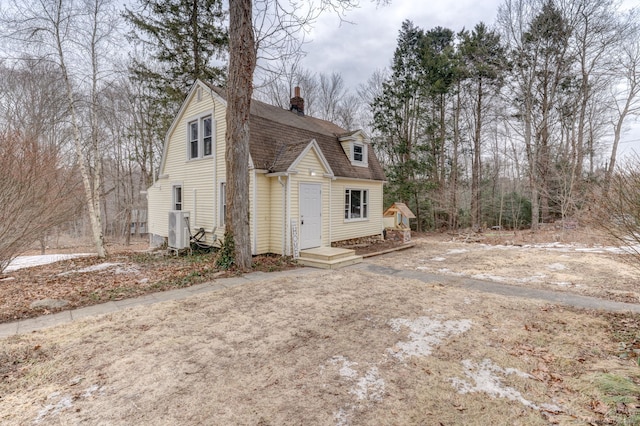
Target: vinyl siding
x: 263, y: 212
x: 196, y: 176
x: 344, y: 230
x: 277, y: 214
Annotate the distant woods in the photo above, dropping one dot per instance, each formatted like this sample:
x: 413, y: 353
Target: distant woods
x: 509, y: 125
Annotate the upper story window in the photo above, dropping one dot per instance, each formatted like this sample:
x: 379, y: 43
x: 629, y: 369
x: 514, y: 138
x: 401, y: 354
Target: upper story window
x: 359, y: 154
x: 200, y: 137
x: 356, y: 147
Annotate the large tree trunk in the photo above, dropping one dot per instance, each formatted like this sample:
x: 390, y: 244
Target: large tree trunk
x: 242, y: 63
x: 475, y: 167
x: 453, y: 208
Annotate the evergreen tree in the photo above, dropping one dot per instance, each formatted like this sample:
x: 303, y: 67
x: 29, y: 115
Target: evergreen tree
x: 397, y: 113
x: 485, y: 62
x: 182, y: 40
x: 545, y: 60
x: 185, y: 37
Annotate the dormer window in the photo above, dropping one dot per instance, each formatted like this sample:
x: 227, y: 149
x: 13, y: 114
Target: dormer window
x: 356, y: 146
x: 359, y: 154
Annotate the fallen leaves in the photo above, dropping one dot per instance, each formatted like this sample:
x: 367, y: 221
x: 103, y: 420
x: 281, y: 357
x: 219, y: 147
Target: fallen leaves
x: 86, y: 281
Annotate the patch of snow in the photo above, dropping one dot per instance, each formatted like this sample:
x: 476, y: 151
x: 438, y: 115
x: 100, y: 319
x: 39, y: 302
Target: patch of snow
x: 438, y: 259
x: 457, y: 251
x: 497, y: 278
x: 370, y: 386
x: 425, y: 334
x: 53, y: 409
x: 486, y: 377
x: 93, y: 268
x: 21, y: 262
x: 489, y: 277
x: 563, y: 284
x: 590, y: 250
x: 342, y: 417
x: 556, y: 267
x: 91, y: 390
x: 64, y: 401
x: 126, y: 270
x: 346, y: 370
x: 98, y: 267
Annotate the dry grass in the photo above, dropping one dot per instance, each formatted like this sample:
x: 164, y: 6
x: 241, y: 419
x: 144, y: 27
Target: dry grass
x: 325, y: 348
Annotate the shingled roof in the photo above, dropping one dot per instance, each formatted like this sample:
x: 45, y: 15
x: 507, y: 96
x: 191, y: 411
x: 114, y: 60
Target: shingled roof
x: 278, y: 136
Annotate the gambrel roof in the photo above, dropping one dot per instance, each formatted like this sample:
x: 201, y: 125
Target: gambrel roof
x: 279, y: 136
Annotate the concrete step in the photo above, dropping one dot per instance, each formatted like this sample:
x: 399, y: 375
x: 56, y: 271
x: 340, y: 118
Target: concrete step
x: 326, y: 253
x: 329, y: 264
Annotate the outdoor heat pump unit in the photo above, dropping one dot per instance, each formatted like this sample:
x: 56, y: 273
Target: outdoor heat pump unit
x: 179, y: 234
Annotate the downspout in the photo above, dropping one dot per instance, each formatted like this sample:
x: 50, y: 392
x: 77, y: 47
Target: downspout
x: 284, y: 223
x: 330, y: 209
x: 216, y: 193
x: 288, y: 218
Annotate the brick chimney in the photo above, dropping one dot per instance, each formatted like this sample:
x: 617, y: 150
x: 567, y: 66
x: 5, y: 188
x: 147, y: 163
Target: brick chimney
x: 297, y: 103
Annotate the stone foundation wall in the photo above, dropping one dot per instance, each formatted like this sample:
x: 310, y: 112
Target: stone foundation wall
x: 401, y: 235
x: 358, y: 242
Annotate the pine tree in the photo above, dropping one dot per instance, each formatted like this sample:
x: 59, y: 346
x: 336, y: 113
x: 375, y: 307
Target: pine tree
x: 184, y: 40
x: 485, y: 63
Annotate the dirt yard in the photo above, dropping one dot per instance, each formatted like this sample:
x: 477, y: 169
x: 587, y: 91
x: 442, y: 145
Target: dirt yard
x: 349, y: 347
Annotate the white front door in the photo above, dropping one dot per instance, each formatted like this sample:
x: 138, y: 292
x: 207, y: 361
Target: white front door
x: 310, y: 215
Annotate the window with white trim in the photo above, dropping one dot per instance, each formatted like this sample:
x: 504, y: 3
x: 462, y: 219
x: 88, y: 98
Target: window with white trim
x: 200, y: 137
x: 223, y: 202
x: 177, y: 197
x: 356, y: 204
x: 359, y: 154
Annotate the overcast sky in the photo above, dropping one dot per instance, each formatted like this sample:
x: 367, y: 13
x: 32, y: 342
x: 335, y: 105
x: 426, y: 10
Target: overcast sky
x: 357, y: 49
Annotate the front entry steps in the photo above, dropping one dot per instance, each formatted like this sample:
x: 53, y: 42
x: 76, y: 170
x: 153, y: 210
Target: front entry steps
x: 328, y: 257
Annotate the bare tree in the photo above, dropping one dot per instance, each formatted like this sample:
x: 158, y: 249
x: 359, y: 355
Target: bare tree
x: 616, y: 207
x: 66, y: 33
x: 37, y: 193
x: 626, y: 95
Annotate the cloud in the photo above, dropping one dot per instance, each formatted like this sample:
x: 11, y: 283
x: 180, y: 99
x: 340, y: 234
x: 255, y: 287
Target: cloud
x: 357, y: 48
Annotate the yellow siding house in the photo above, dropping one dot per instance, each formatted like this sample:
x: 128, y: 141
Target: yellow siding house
x: 311, y: 182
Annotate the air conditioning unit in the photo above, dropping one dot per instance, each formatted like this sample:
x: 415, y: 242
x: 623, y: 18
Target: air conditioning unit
x: 179, y: 235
